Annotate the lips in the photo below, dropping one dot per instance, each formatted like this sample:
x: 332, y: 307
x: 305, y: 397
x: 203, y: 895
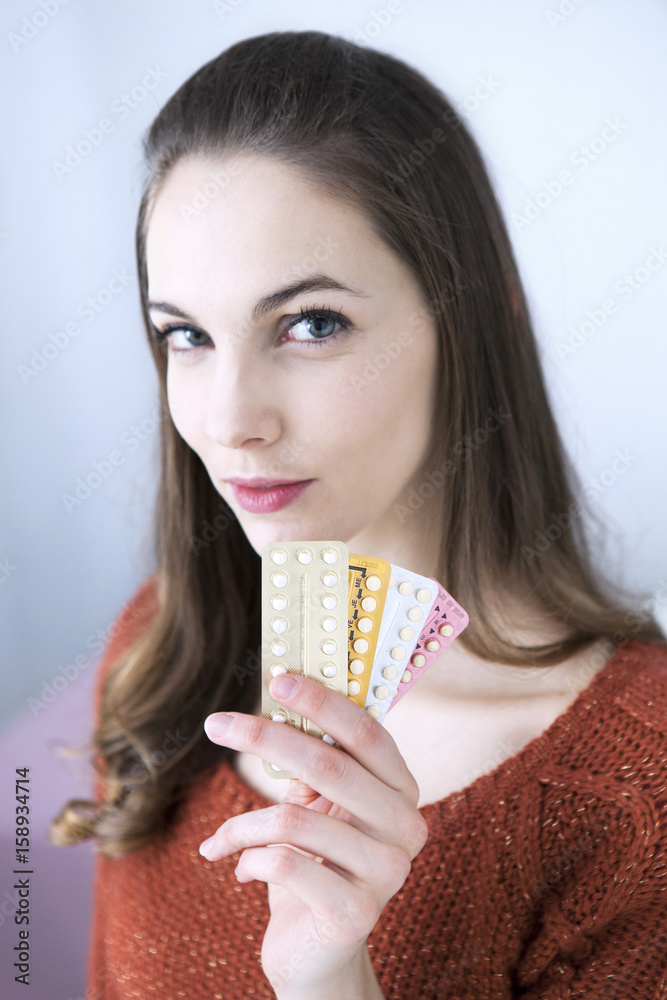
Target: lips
x: 264, y: 496
x: 259, y: 482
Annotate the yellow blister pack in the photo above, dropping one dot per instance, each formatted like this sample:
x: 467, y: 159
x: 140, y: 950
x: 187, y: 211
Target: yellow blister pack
x: 368, y: 584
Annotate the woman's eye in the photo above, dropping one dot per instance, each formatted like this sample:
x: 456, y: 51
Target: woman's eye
x: 182, y: 338
x: 316, y: 327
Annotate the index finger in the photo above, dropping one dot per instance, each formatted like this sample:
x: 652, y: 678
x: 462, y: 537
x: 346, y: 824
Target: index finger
x: 348, y: 777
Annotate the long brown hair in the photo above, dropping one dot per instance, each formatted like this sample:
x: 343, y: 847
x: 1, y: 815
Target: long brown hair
x: 375, y: 133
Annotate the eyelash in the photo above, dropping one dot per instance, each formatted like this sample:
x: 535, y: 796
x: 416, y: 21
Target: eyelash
x: 160, y: 336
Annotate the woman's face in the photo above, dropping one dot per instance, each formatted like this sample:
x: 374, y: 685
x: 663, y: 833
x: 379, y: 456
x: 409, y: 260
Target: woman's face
x: 341, y: 400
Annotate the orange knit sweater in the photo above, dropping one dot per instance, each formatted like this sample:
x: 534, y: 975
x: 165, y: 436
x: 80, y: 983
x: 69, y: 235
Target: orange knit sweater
x: 544, y: 879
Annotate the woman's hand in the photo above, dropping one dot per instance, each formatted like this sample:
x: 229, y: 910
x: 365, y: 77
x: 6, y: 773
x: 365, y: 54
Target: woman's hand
x: 335, y: 851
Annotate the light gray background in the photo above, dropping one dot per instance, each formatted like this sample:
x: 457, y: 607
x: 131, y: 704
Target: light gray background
x: 553, y: 87
x: 536, y: 84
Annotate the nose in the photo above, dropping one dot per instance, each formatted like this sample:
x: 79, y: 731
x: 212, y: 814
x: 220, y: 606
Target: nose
x: 241, y: 406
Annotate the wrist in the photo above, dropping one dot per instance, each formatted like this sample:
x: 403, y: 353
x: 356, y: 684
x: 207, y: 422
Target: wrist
x: 357, y: 981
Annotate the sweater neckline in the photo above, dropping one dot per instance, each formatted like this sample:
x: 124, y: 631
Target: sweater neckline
x: 520, y: 766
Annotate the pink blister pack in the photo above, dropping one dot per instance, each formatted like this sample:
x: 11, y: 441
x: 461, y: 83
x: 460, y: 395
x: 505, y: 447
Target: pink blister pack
x: 446, y: 621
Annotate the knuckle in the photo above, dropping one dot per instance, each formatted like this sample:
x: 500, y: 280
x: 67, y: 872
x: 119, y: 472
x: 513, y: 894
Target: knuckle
x: 329, y: 763
x: 283, y: 862
x: 418, y: 832
x: 231, y: 832
x: 317, y: 696
x: 367, y: 733
x: 288, y: 817
x: 399, y: 865
x: 254, y: 730
x: 413, y: 788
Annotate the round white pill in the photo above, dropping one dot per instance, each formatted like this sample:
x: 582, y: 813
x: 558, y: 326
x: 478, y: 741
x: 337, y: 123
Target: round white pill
x: 373, y: 582
x: 279, y: 625
x: 364, y: 625
x: 329, y: 670
x: 304, y: 556
x: 330, y: 556
x: 279, y: 602
x: 406, y: 588
x: 389, y: 673
x: 356, y: 666
x: 279, y: 579
x: 432, y: 645
x: 360, y: 645
x: 329, y: 601
x: 329, y: 647
x: 424, y: 595
x: 330, y: 579
x: 374, y: 710
x: 446, y: 629
x: 406, y: 633
x: 368, y: 604
x: 407, y: 677
x: 392, y: 581
x: 278, y: 716
x: 353, y: 687
x: 418, y: 660
x: 328, y: 739
x: 381, y: 692
x: 329, y: 624
x: 278, y: 648
x: 415, y: 614
x: 398, y: 653
x: 279, y: 556
x: 277, y: 669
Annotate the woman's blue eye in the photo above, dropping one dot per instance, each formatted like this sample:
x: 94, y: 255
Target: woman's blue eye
x: 185, y: 333
x: 322, y: 323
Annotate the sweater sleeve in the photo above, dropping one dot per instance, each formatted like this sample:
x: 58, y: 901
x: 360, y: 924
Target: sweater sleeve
x: 127, y: 628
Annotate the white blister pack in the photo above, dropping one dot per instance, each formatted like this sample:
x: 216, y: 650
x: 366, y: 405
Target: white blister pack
x: 407, y: 607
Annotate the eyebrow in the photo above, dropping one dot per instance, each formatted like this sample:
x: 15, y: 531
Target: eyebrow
x: 268, y: 303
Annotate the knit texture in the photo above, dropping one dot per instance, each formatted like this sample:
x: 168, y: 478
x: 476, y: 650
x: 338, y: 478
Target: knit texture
x: 544, y: 879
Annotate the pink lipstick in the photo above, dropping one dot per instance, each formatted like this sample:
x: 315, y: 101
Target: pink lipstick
x: 262, y: 496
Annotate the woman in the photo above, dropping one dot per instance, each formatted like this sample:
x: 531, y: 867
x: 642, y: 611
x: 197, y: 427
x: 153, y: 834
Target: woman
x: 332, y: 301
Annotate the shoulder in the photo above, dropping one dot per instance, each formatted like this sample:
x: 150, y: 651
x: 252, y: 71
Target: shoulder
x: 640, y: 688
x: 129, y: 625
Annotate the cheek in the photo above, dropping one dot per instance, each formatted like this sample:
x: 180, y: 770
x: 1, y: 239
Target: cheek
x: 185, y: 406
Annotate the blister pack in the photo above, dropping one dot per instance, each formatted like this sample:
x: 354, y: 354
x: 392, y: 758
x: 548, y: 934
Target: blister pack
x: 369, y: 582
x: 304, y: 622
x: 410, y: 598
x: 446, y: 621
x: 361, y: 625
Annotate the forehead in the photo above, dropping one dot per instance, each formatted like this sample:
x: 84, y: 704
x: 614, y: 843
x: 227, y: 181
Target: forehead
x: 243, y: 224
x: 250, y: 214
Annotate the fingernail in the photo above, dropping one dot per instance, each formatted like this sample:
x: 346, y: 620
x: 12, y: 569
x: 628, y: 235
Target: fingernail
x: 216, y: 725
x: 283, y: 685
x: 206, y: 847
